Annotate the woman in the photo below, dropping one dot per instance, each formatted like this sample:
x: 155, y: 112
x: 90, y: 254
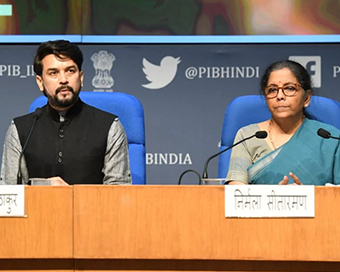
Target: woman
x: 292, y: 153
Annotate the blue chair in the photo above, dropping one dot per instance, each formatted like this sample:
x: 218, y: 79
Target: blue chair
x: 131, y: 114
x: 250, y: 109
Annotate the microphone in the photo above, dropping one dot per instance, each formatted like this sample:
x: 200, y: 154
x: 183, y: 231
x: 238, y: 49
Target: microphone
x: 259, y: 134
x: 36, y: 115
x: 326, y: 134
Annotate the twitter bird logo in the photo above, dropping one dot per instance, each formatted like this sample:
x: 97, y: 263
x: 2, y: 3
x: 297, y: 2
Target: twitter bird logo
x: 160, y: 75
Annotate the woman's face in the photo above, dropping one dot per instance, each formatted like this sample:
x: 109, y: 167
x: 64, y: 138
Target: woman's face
x: 283, y: 106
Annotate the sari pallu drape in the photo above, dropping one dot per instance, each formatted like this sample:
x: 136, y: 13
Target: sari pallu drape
x: 314, y: 160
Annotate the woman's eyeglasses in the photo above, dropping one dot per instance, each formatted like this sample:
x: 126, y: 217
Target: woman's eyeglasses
x: 289, y: 89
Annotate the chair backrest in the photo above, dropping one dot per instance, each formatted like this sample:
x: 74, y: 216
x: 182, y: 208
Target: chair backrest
x: 250, y: 109
x: 131, y: 114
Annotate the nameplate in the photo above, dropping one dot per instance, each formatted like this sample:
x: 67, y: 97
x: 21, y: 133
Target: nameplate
x: 12, y: 200
x: 269, y: 201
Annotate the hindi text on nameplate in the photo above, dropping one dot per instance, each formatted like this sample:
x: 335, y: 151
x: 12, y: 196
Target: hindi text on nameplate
x: 269, y: 201
x: 12, y: 201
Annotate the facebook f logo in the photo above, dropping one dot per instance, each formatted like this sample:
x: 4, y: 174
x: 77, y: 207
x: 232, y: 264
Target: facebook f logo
x: 312, y: 65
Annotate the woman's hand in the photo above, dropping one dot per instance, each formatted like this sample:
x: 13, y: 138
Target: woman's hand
x: 285, y: 180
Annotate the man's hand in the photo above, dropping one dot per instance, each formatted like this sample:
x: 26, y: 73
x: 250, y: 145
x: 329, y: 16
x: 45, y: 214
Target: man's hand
x: 57, y: 181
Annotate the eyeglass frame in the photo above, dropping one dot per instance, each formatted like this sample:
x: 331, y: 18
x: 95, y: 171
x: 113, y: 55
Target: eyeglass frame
x: 297, y: 86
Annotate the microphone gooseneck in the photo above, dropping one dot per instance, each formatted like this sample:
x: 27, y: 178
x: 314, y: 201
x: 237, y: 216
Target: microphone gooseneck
x: 259, y: 134
x: 187, y: 171
x: 36, y: 115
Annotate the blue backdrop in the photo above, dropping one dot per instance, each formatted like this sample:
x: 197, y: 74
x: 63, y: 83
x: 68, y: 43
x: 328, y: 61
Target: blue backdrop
x: 184, y: 98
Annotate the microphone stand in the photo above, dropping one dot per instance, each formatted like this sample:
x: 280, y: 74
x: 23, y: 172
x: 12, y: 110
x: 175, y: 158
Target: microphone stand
x: 259, y: 134
x: 36, y: 114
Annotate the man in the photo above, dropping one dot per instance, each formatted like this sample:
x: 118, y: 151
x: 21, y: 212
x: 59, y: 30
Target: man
x: 72, y: 142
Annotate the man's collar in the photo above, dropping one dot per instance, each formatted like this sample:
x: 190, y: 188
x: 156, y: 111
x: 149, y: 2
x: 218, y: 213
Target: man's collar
x: 71, y: 112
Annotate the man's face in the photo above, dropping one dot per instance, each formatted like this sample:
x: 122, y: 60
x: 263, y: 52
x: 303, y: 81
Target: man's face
x: 60, y: 81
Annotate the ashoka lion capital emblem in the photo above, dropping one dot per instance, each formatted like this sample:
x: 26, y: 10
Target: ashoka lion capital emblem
x: 102, y: 63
